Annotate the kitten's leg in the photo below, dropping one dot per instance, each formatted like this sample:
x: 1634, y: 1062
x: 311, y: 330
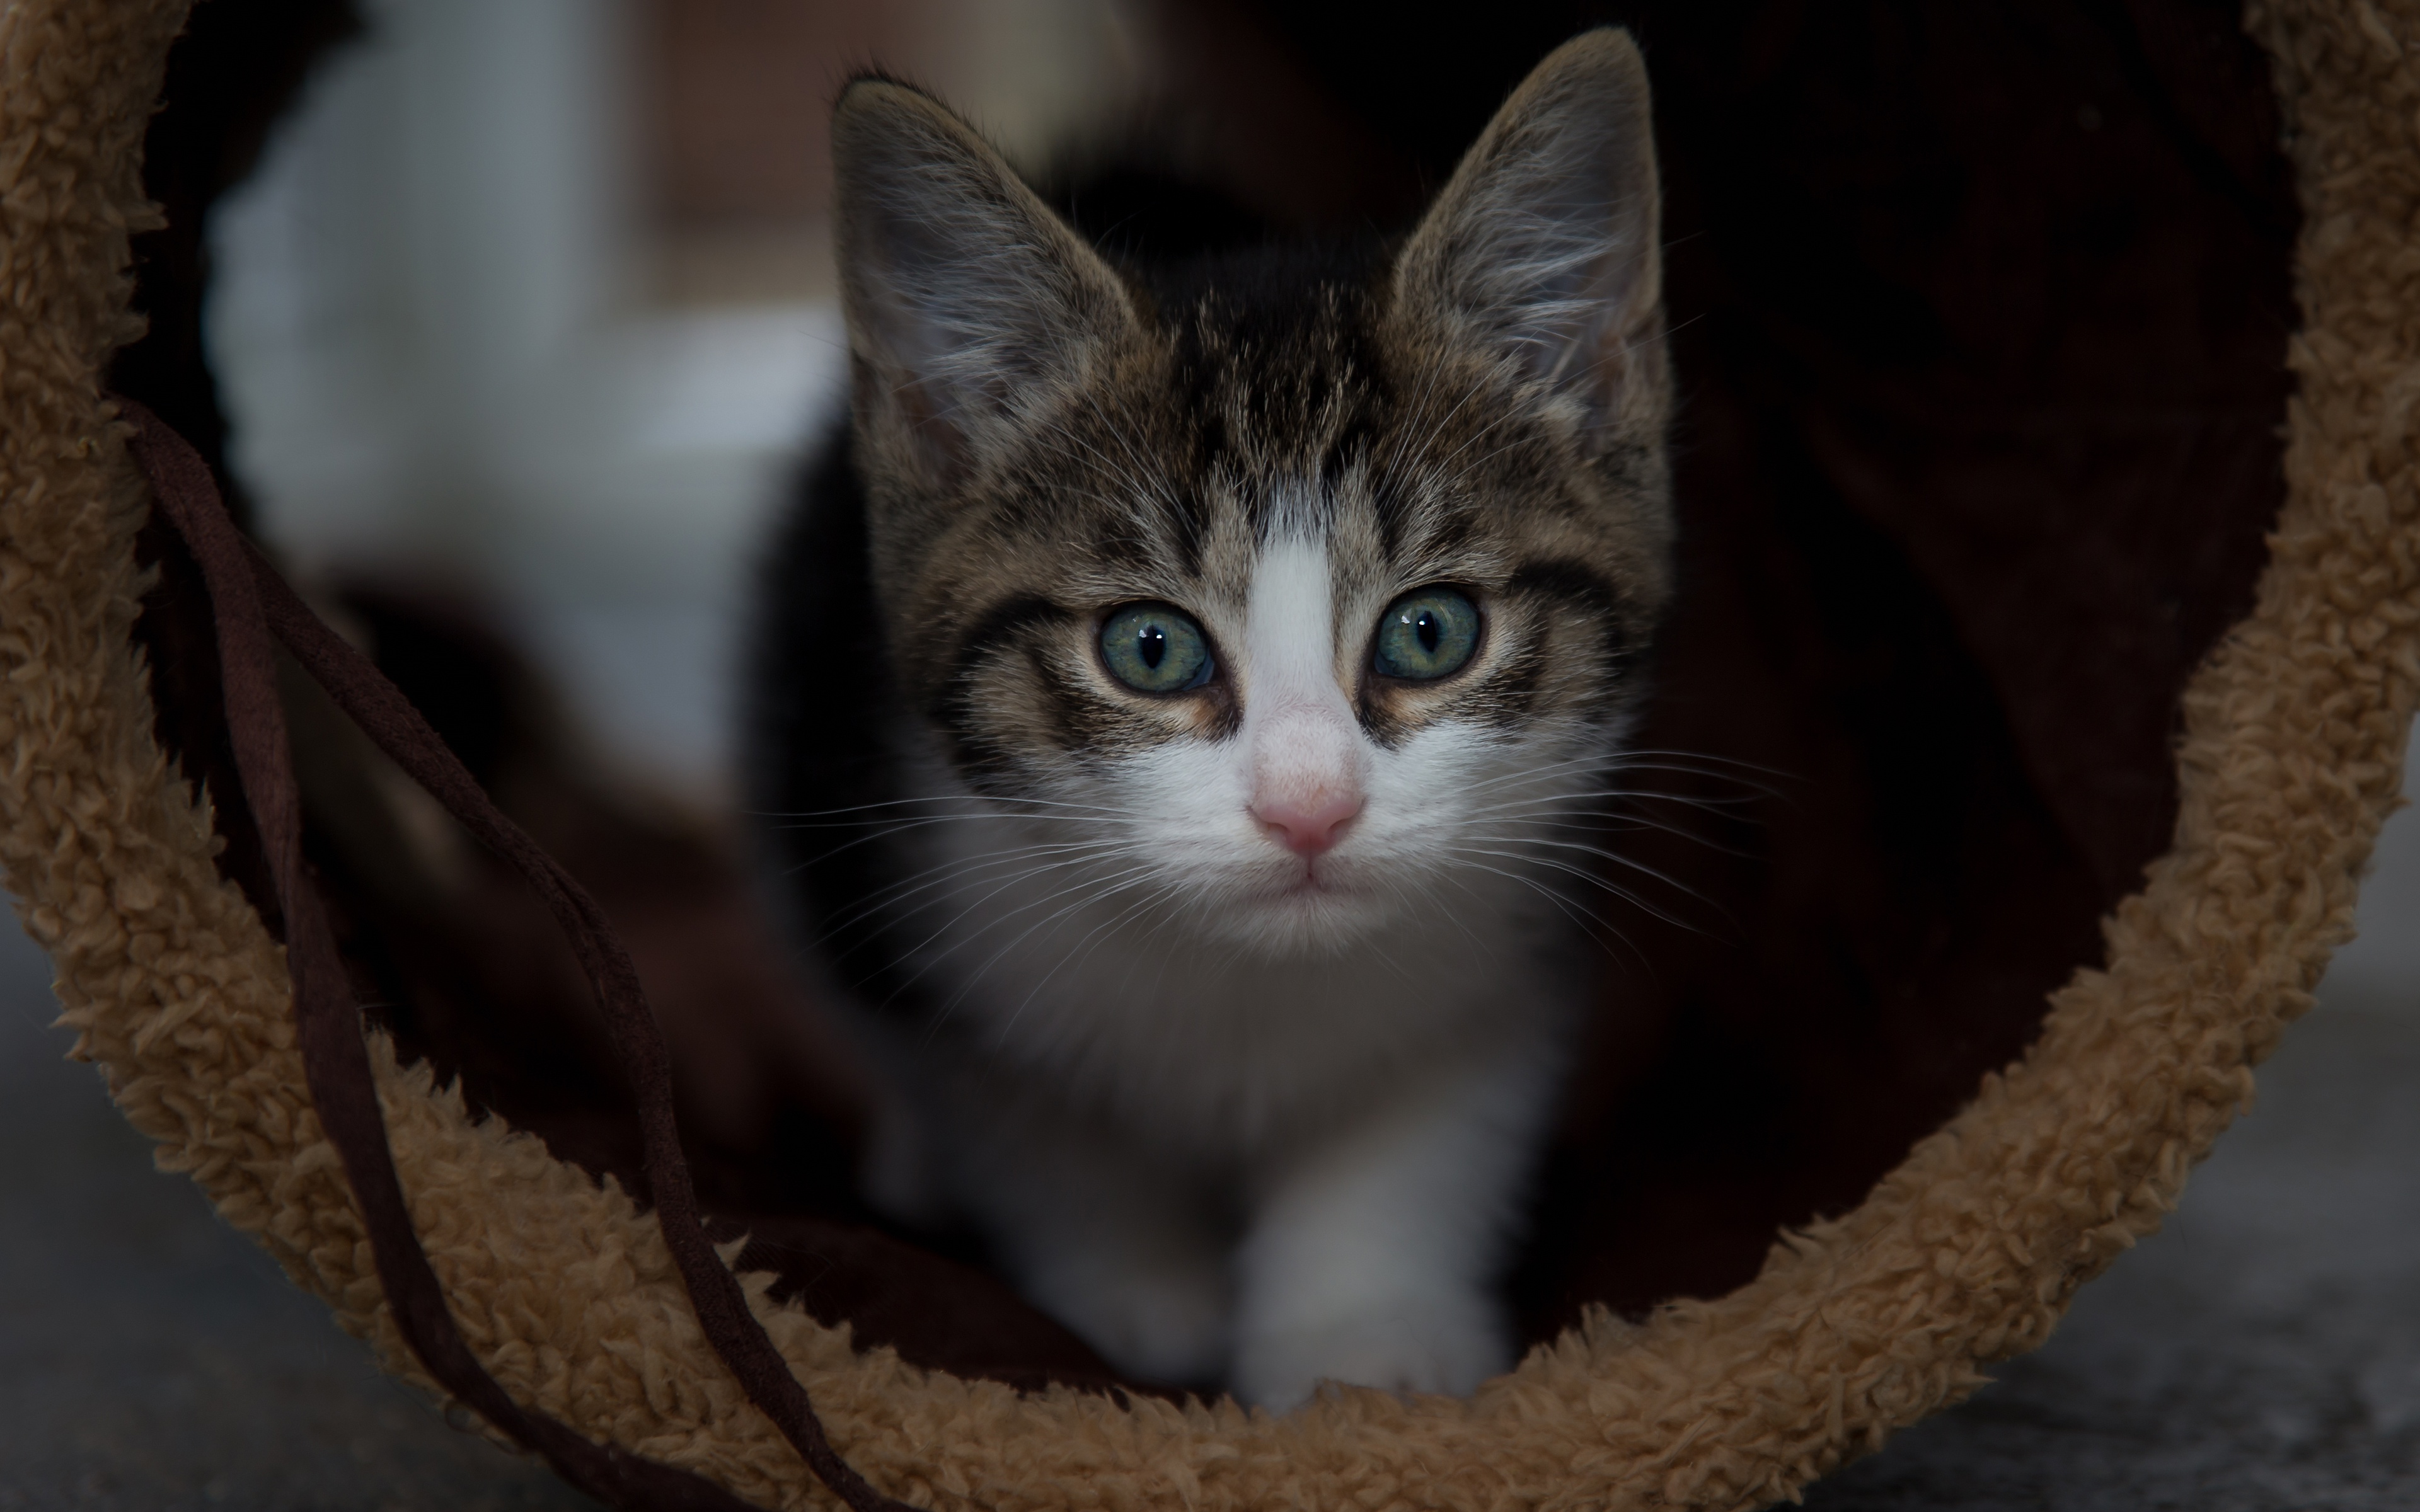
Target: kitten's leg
x: 1371, y: 1253
x: 1120, y: 1244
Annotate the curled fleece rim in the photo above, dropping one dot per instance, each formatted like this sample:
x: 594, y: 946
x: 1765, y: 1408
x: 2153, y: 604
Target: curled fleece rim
x: 1966, y: 1254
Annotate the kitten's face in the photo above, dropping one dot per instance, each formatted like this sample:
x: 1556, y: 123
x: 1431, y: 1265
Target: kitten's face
x: 1294, y: 601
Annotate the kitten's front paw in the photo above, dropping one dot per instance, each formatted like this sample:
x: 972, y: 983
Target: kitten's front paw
x: 1165, y: 1322
x: 1445, y: 1344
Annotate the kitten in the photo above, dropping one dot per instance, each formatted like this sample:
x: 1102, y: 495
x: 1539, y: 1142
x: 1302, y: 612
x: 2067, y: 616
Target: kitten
x: 1168, y: 708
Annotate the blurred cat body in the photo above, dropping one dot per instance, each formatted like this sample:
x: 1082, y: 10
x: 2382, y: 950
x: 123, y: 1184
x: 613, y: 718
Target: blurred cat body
x: 1172, y: 702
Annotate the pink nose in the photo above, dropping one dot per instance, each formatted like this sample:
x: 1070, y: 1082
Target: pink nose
x: 1308, y: 830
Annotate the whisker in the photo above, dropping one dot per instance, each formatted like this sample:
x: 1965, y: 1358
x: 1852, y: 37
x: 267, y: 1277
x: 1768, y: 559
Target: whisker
x: 1547, y: 769
x: 938, y: 797
x: 1587, y: 920
x: 1615, y: 856
x: 958, y: 884
x: 1712, y: 763
x: 1602, y: 819
x: 1088, y: 944
x: 960, y: 868
x: 1595, y: 796
x: 871, y: 837
x: 1105, y: 888
x: 1589, y: 877
x: 991, y: 924
x: 903, y: 828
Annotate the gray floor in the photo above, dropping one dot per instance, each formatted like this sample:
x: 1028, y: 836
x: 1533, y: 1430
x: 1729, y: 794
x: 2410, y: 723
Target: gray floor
x: 152, y: 1359
x: 2261, y: 1355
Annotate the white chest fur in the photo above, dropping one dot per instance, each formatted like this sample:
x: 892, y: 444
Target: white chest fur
x: 1228, y: 1099
x: 1089, y: 981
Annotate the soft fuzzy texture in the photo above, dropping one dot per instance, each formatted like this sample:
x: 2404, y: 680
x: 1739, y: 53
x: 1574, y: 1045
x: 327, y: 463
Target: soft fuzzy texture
x: 1966, y: 1255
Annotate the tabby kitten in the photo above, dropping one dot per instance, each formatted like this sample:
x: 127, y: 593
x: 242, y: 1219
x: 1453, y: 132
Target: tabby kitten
x: 1172, y: 702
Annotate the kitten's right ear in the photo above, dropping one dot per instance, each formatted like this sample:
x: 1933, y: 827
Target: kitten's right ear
x: 969, y: 301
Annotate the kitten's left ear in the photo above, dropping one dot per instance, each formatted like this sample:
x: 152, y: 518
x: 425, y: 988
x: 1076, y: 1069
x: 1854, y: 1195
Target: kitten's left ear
x: 1542, y: 249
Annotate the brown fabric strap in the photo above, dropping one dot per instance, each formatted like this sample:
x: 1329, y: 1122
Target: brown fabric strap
x: 249, y: 600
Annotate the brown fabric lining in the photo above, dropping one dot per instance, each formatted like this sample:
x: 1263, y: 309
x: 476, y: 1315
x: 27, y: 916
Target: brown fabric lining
x: 249, y: 599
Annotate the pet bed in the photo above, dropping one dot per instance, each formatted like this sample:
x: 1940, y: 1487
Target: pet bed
x: 572, y: 1301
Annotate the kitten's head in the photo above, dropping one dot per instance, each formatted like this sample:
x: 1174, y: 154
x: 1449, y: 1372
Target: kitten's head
x: 1301, y: 588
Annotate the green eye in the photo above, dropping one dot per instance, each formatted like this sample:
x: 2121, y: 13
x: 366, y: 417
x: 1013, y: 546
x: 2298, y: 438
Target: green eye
x: 1427, y: 633
x: 1154, y: 649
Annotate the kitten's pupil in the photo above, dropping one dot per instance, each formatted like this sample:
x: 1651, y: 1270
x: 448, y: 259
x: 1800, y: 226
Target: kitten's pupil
x: 1153, y: 645
x: 1429, y: 629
